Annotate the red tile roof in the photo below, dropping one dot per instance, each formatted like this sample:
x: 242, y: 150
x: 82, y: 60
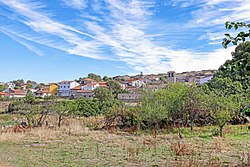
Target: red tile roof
x: 41, y: 92
x: 17, y: 92
x: 4, y: 94
x: 45, y: 91
x: 102, y: 83
x: 77, y: 88
x: 90, y: 84
x: 132, y: 80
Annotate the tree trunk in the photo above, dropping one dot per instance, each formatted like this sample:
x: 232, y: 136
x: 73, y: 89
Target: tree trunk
x: 191, y: 127
x: 60, y: 120
x: 42, y: 118
x: 221, y: 128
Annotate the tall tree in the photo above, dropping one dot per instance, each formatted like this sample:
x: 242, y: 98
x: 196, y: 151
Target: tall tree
x: 241, y: 36
x: 94, y: 77
x: 105, y: 78
x: 234, y: 74
x: 222, y: 109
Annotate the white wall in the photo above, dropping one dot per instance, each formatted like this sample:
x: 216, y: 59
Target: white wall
x: 90, y: 87
x: 137, y: 83
x: 64, y: 88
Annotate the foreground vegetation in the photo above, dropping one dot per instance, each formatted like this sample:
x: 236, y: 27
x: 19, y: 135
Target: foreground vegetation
x: 74, y: 144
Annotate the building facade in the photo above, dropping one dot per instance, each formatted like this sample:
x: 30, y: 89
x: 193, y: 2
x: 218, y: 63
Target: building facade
x: 129, y: 97
x: 171, y: 76
x: 64, y: 88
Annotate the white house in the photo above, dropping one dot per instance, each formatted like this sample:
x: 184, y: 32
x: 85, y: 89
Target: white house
x: 64, y: 88
x: 90, y: 86
x: 136, y: 83
x: 89, y: 94
x: 42, y: 93
x: 85, y: 81
x: 123, y: 86
x: 32, y: 90
x: 17, y: 93
x: 10, y: 85
x: 85, y: 91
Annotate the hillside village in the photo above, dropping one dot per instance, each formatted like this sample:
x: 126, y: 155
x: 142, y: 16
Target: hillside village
x: 84, y: 87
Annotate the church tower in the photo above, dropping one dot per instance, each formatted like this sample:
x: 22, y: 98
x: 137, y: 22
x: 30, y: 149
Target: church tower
x: 171, y: 75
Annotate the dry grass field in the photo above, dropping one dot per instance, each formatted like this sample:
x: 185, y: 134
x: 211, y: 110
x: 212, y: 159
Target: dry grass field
x: 74, y: 144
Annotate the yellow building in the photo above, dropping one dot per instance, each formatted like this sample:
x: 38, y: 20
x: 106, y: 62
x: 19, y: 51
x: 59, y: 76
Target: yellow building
x: 52, y: 88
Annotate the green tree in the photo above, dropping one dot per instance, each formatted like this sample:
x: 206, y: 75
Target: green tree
x: 2, y: 87
x: 234, y: 75
x: 103, y: 94
x: 79, y: 79
x: 164, y: 106
x: 123, y: 117
x: 222, y: 109
x: 86, y: 107
x: 113, y: 85
x: 221, y: 116
x: 63, y: 108
x: 225, y: 86
x: 18, y: 82
x: 105, y: 99
x: 240, y: 36
x: 29, y: 110
x: 29, y: 86
x: 105, y: 78
x: 30, y: 98
x: 154, y: 111
x: 95, y: 77
x: 17, y: 87
x: 194, y: 104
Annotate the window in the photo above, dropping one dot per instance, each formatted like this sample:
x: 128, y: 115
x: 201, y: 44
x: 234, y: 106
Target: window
x: 64, y: 86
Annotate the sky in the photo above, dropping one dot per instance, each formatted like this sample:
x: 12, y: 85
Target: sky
x: 55, y: 40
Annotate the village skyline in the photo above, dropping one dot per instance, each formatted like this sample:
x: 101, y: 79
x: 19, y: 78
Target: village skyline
x: 127, y: 88
x: 211, y: 71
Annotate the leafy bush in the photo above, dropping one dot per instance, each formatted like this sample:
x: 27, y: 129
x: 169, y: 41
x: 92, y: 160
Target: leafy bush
x: 122, y: 117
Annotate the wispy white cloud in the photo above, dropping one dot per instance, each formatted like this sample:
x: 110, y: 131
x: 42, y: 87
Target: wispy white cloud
x: 212, y: 15
x: 45, y: 30
x: 142, y: 53
x: 77, y: 4
x: 124, y: 36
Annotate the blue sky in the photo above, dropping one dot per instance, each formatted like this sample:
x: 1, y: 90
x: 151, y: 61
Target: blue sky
x: 45, y: 40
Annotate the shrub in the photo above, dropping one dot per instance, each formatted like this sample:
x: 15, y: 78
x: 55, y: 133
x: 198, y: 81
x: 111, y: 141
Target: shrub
x: 122, y: 117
